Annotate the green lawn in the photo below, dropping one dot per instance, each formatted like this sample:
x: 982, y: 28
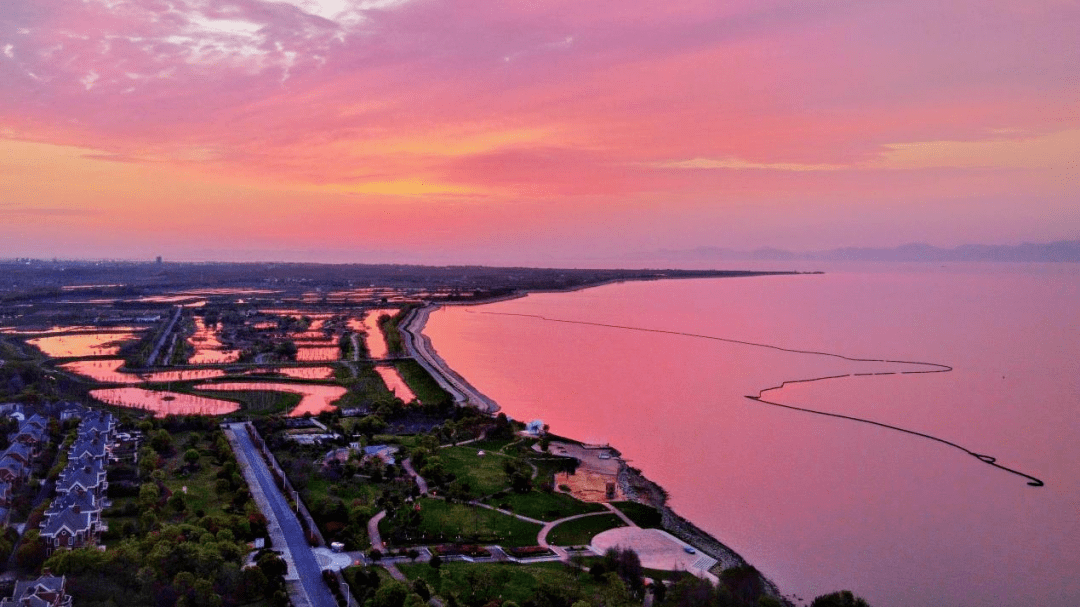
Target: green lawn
x: 543, y: 506
x: 201, y: 493
x: 481, y: 583
x: 581, y: 531
x: 445, y: 522
x: 643, y: 515
x: 257, y: 402
x: 426, y: 389
x: 484, y: 475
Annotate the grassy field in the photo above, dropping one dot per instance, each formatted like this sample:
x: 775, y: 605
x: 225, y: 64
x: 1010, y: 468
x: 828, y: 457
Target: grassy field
x: 581, y: 531
x: 199, y: 480
x: 347, y: 491
x: 543, y: 506
x: 426, y: 389
x: 643, y: 515
x: 484, y: 475
x: 445, y: 522
x: 476, y: 583
x: 256, y: 402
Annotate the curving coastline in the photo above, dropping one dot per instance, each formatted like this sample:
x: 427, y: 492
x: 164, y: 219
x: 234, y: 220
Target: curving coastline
x: 633, y: 483
x: 419, y: 347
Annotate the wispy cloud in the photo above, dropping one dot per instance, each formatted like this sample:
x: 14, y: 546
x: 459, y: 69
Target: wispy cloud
x: 13, y: 210
x: 739, y: 164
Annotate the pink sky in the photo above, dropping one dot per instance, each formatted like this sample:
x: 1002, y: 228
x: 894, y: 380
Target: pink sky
x: 544, y: 132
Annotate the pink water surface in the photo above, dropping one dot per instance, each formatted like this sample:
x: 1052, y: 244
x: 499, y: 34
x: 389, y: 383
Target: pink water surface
x: 315, y: 398
x: 82, y: 344
x: 395, y: 383
x: 376, y: 343
x: 820, y: 503
x: 208, y: 346
x: 107, y: 371
x: 164, y: 403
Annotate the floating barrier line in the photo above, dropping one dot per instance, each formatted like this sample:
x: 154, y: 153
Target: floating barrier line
x: 936, y: 368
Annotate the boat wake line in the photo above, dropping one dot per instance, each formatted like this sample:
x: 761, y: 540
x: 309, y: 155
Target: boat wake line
x: 760, y: 396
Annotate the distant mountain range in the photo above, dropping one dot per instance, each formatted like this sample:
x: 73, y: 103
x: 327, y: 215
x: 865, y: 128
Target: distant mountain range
x: 1061, y: 251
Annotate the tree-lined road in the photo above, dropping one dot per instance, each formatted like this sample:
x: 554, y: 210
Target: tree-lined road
x: 307, y: 567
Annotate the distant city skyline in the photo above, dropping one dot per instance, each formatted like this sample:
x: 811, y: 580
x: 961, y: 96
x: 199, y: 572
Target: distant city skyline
x: 552, y: 133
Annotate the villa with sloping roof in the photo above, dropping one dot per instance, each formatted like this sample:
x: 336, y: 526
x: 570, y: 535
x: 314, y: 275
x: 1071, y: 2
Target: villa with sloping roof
x: 70, y: 528
x: 46, y: 591
x: 20, y: 451
x: 88, y: 476
x: 13, y: 471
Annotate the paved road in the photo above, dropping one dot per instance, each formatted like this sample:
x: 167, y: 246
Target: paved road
x: 161, y: 341
x: 307, y: 566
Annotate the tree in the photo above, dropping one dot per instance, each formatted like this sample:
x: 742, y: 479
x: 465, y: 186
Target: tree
x: 626, y: 563
x: 370, y: 426
x: 177, y: 503
x: 842, y: 598
x: 391, y: 594
x: 149, y: 494
x: 420, y: 587
x: 31, y: 554
x: 162, y: 441
x: 286, y: 350
x: 148, y: 459
x: 272, y: 565
x: 191, y: 457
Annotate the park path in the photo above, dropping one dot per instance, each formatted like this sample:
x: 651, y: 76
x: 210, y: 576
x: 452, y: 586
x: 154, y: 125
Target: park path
x: 420, y: 482
x: 620, y: 514
x: 541, y: 538
x: 377, y: 544
x: 373, y: 531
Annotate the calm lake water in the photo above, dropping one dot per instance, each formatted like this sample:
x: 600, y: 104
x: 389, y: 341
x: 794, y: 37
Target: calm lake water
x: 822, y: 503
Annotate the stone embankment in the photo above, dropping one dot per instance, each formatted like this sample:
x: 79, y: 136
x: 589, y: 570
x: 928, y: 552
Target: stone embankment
x: 418, y: 346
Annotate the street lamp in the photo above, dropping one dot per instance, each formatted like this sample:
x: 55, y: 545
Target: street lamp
x: 296, y: 498
x: 348, y: 595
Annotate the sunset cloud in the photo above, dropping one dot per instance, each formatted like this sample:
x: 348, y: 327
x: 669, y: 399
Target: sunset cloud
x: 526, y: 110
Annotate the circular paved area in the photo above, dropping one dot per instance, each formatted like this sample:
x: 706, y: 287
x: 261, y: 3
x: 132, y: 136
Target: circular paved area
x: 328, y: 559
x: 655, y: 548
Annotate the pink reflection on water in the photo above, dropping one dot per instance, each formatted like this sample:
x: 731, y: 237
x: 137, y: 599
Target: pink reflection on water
x: 308, y: 372
x: 104, y: 371
x: 85, y: 344
x: 395, y: 383
x: 376, y: 343
x: 108, y: 371
x: 164, y: 403
x: 822, y: 503
x: 208, y: 346
x: 317, y: 354
x: 297, y: 372
x: 315, y: 398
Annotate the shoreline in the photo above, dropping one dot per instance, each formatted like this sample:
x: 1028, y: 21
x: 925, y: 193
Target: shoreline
x: 633, y: 482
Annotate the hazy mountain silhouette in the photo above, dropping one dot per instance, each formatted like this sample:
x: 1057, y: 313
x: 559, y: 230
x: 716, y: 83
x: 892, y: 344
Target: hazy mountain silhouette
x: 1061, y: 251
